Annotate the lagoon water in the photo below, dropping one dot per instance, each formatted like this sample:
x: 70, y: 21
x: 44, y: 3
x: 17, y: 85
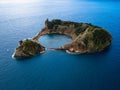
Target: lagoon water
x: 58, y: 70
x: 54, y: 40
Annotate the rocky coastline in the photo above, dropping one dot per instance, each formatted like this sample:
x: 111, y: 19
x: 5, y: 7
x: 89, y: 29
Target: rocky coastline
x: 86, y: 38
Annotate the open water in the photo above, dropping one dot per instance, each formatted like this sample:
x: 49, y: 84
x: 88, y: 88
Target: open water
x: 58, y: 70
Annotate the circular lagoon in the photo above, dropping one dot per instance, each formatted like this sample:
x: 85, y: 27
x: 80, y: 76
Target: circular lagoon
x: 54, y: 40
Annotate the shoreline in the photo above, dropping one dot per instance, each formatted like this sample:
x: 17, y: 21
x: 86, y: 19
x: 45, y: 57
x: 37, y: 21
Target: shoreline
x: 86, y: 38
x: 67, y: 51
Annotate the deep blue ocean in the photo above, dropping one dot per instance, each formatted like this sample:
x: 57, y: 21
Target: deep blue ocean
x: 58, y: 70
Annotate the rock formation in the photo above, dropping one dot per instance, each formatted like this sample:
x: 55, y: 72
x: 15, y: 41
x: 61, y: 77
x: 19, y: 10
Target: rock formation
x: 86, y: 38
x: 28, y: 48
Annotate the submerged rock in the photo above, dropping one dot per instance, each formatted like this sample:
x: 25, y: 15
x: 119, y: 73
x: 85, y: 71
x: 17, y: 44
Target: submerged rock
x: 28, y: 48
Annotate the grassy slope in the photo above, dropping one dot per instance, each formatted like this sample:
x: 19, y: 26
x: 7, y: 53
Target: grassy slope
x: 86, y: 37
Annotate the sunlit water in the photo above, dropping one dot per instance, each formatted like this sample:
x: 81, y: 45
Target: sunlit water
x: 57, y: 70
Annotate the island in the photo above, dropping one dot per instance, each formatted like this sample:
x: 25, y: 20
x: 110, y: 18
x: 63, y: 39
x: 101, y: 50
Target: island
x: 86, y: 38
x: 28, y: 48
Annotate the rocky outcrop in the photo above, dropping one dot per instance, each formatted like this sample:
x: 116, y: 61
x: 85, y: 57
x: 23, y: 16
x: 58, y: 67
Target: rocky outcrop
x: 28, y: 48
x: 86, y: 38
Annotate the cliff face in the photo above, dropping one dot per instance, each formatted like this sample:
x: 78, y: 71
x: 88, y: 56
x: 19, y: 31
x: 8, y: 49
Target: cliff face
x: 85, y: 37
x: 28, y: 48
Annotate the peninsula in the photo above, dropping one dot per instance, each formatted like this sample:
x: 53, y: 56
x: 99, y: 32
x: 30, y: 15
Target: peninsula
x: 86, y: 38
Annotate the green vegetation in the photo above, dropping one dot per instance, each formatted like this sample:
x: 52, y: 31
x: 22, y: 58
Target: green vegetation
x: 50, y: 25
x: 76, y: 25
x: 92, y: 38
x: 86, y: 38
x: 80, y: 29
x: 54, y: 25
x: 100, y: 36
x: 57, y: 22
x: 65, y: 23
x: 29, y: 47
x: 54, y: 22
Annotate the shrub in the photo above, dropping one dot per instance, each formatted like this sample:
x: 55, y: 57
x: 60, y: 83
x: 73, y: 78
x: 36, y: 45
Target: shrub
x: 31, y: 47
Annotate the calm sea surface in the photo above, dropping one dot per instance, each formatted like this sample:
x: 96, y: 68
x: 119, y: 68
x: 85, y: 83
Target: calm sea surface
x: 57, y: 70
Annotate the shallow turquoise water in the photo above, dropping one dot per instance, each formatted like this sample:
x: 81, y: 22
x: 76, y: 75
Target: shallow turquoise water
x: 54, y: 40
x: 57, y: 70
